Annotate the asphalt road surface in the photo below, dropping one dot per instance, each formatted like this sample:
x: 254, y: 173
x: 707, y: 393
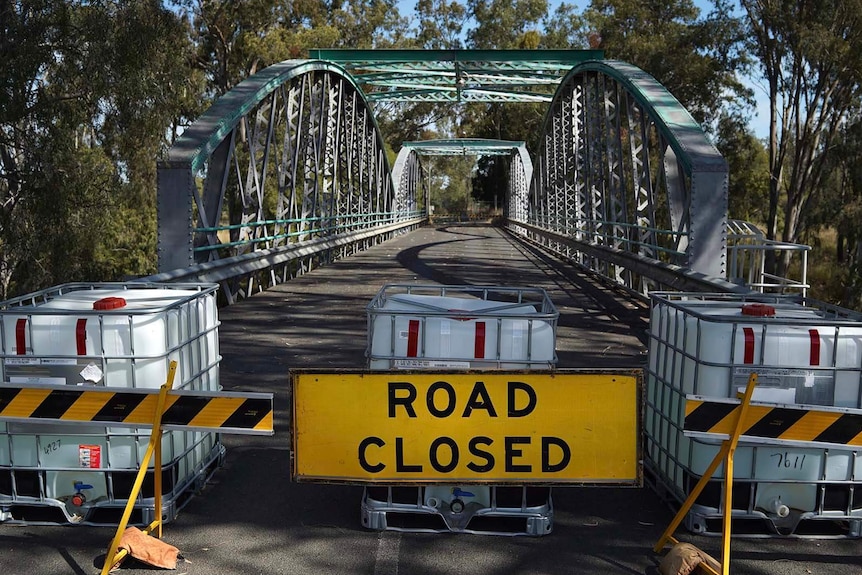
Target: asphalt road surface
x: 252, y: 519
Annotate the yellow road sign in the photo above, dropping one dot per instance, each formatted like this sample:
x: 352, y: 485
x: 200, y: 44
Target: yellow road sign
x: 244, y: 413
x: 773, y: 423
x: 469, y: 427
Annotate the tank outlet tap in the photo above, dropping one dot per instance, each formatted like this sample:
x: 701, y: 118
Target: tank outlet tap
x: 457, y: 492
x: 79, y: 498
x: 776, y: 506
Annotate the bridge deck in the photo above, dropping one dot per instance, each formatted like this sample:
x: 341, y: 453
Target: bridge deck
x: 252, y: 519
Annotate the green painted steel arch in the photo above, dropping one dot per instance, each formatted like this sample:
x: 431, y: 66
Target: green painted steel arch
x: 583, y: 166
x: 304, y: 160
x: 673, y: 120
x: 201, y: 138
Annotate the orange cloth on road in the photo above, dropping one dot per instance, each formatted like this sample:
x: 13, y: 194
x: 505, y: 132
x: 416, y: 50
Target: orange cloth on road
x: 149, y: 550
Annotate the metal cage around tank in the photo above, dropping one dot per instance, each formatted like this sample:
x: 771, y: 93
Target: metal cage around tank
x: 416, y: 327
x: 114, y: 335
x: 804, y: 352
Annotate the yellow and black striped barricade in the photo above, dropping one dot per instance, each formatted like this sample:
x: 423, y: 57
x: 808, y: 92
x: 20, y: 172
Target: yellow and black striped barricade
x: 739, y: 420
x: 242, y: 413
x: 774, y: 423
x: 245, y: 413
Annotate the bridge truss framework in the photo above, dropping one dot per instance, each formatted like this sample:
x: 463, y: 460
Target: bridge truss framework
x: 289, y: 169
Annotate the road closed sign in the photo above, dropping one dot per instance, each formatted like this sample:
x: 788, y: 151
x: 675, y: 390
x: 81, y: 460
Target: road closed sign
x: 468, y: 427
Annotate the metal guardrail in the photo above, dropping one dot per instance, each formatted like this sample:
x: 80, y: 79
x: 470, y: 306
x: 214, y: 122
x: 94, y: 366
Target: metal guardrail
x: 262, y: 261
x: 668, y: 276
x: 747, y: 248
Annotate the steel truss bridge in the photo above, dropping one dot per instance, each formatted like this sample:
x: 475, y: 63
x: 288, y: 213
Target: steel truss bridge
x: 289, y: 170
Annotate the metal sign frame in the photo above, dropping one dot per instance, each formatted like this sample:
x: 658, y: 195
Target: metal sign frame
x: 472, y: 427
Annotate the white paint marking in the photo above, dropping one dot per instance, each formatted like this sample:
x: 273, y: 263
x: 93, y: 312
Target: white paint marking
x: 386, y: 561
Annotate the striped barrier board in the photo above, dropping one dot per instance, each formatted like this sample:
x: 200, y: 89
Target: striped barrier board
x: 774, y: 423
x: 243, y: 413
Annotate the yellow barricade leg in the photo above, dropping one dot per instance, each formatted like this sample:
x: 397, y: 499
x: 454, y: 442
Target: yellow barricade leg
x: 725, y: 454
x: 154, y: 447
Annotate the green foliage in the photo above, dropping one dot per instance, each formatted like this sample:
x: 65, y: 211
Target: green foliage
x: 502, y: 24
x: 236, y: 39
x: 748, y: 168
x: 834, y: 221
x: 810, y: 54
x: 696, y: 59
x: 451, y: 183
x: 565, y: 28
x: 440, y: 24
x: 90, y: 96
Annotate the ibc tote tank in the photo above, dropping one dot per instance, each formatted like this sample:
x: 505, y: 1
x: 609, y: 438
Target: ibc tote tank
x: 105, y: 335
x: 803, y: 352
x: 419, y: 327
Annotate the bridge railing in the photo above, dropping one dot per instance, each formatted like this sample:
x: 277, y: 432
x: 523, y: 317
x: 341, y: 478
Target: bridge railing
x: 284, y: 172
x: 747, y: 249
x: 624, y: 170
x: 257, y: 269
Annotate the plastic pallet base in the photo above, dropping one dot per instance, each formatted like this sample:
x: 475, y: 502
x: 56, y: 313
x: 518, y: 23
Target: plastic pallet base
x: 534, y: 521
x: 708, y: 521
x: 31, y: 511
x: 759, y: 525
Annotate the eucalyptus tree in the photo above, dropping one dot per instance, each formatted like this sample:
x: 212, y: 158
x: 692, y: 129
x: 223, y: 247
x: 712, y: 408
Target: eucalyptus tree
x: 697, y: 57
x: 236, y: 39
x: 837, y: 209
x: 440, y: 24
x: 748, y: 174
x: 90, y: 94
x: 810, y: 55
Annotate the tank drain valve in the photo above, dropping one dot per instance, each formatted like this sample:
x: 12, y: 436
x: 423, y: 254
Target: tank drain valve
x: 457, y: 504
x: 79, y: 498
x: 776, y: 506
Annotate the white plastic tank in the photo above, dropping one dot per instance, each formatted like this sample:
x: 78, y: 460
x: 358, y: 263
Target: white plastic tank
x: 709, y: 344
x: 460, y: 327
x: 112, y: 335
x: 458, y: 332
x: 712, y: 346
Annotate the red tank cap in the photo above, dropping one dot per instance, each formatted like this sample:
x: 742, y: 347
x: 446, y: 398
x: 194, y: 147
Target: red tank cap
x: 107, y: 303
x: 758, y: 310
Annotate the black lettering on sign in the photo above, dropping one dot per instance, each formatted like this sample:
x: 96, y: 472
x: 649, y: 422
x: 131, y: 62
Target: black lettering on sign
x: 363, y: 461
x: 405, y: 401
x: 512, y: 453
x: 432, y: 392
x: 453, y: 454
x: 475, y: 450
x: 479, y: 399
x: 566, y: 454
x: 400, y: 466
x: 514, y: 388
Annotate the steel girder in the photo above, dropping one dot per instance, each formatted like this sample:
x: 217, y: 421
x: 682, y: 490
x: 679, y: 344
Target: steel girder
x: 289, y: 156
x: 623, y: 166
x: 458, y: 75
